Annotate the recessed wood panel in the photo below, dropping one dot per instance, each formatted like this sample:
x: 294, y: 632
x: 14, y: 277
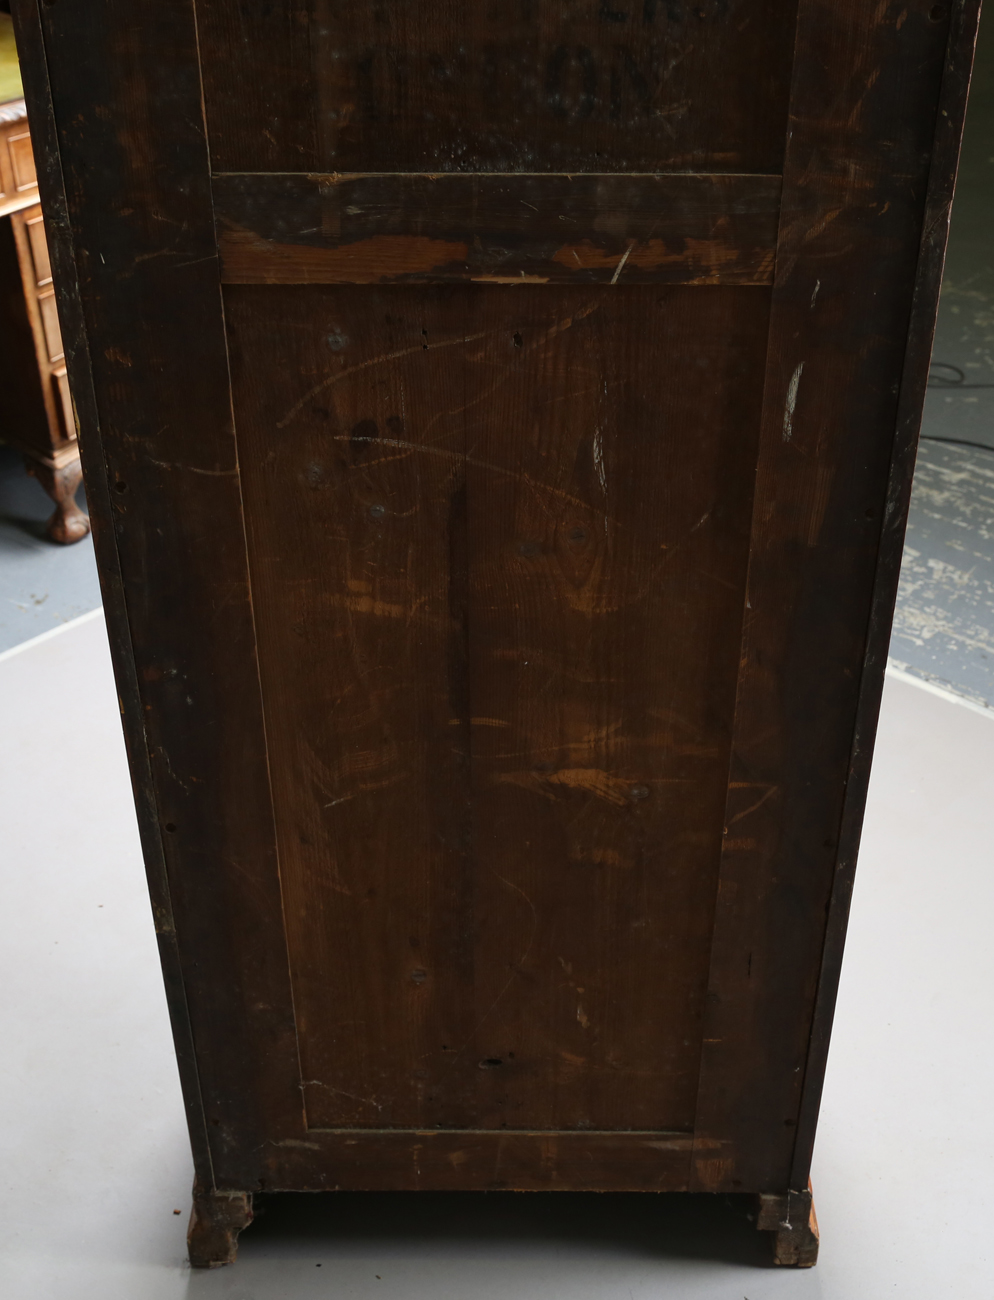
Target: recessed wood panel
x: 500, y: 85
x: 498, y: 542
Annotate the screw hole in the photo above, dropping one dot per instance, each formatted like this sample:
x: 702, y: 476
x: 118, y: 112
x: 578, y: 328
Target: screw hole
x: 120, y: 487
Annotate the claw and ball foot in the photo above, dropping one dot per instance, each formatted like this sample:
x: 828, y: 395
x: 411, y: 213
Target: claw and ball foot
x: 791, y: 1217
x: 217, y: 1219
x: 69, y: 523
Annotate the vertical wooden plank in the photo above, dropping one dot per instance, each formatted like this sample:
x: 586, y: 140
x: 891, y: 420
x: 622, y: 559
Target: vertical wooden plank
x: 610, y: 451
x: 855, y: 178
x: 942, y: 178
x: 127, y: 111
x: 348, y: 404
x: 61, y: 244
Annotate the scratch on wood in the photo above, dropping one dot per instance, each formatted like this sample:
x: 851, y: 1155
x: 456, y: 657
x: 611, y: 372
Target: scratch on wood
x: 365, y: 365
x: 624, y: 258
x: 752, y: 807
x: 193, y: 469
x: 788, y: 410
x: 340, y: 1092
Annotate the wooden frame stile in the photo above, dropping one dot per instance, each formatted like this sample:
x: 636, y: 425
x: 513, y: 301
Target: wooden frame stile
x: 851, y: 221
x: 949, y: 119
x: 173, y: 436
x: 58, y: 229
x: 62, y: 247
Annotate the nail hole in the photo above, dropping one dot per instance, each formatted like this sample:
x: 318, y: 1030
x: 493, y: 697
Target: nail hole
x: 937, y: 13
x: 120, y: 487
x: 639, y: 792
x: 377, y: 511
x: 170, y: 827
x: 424, y: 336
x: 517, y: 340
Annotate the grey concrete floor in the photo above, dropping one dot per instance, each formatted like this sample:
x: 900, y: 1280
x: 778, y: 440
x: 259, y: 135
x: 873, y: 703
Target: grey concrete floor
x: 96, y: 1159
x: 42, y: 585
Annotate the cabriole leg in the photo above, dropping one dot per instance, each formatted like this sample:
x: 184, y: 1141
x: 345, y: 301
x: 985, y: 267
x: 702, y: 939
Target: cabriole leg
x: 69, y: 523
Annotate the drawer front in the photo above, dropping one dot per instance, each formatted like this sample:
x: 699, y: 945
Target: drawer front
x: 22, y: 161
x: 18, y: 174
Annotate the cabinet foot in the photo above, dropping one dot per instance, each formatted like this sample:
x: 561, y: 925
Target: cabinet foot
x: 69, y: 523
x: 216, y: 1220
x: 791, y: 1220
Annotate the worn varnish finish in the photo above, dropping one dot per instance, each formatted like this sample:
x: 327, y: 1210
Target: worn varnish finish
x: 498, y: 86
x: 471, y: 630
x: 584, y: 229
x: 498, y: 428
x: 851, y: 220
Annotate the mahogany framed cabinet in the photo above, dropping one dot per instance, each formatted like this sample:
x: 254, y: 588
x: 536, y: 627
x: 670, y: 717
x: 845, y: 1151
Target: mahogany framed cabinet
x: 498, y: 421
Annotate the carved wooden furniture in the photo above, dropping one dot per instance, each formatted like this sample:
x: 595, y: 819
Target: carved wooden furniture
x: 37, y: 414
x: 499, y: 423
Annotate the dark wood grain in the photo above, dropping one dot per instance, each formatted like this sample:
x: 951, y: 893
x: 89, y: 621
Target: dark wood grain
x: 499, y: 581
x: 512, y: 86
x: 855, y: 179
x: 964, y: 16
x: 62, y: 248
x: 162, y: 448
x: 656, y: 229
x: 481, y: 1160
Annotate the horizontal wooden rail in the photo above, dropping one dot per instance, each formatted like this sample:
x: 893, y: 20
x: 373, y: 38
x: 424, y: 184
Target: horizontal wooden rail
x: 458, y: 1160
x: 676, y: 228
